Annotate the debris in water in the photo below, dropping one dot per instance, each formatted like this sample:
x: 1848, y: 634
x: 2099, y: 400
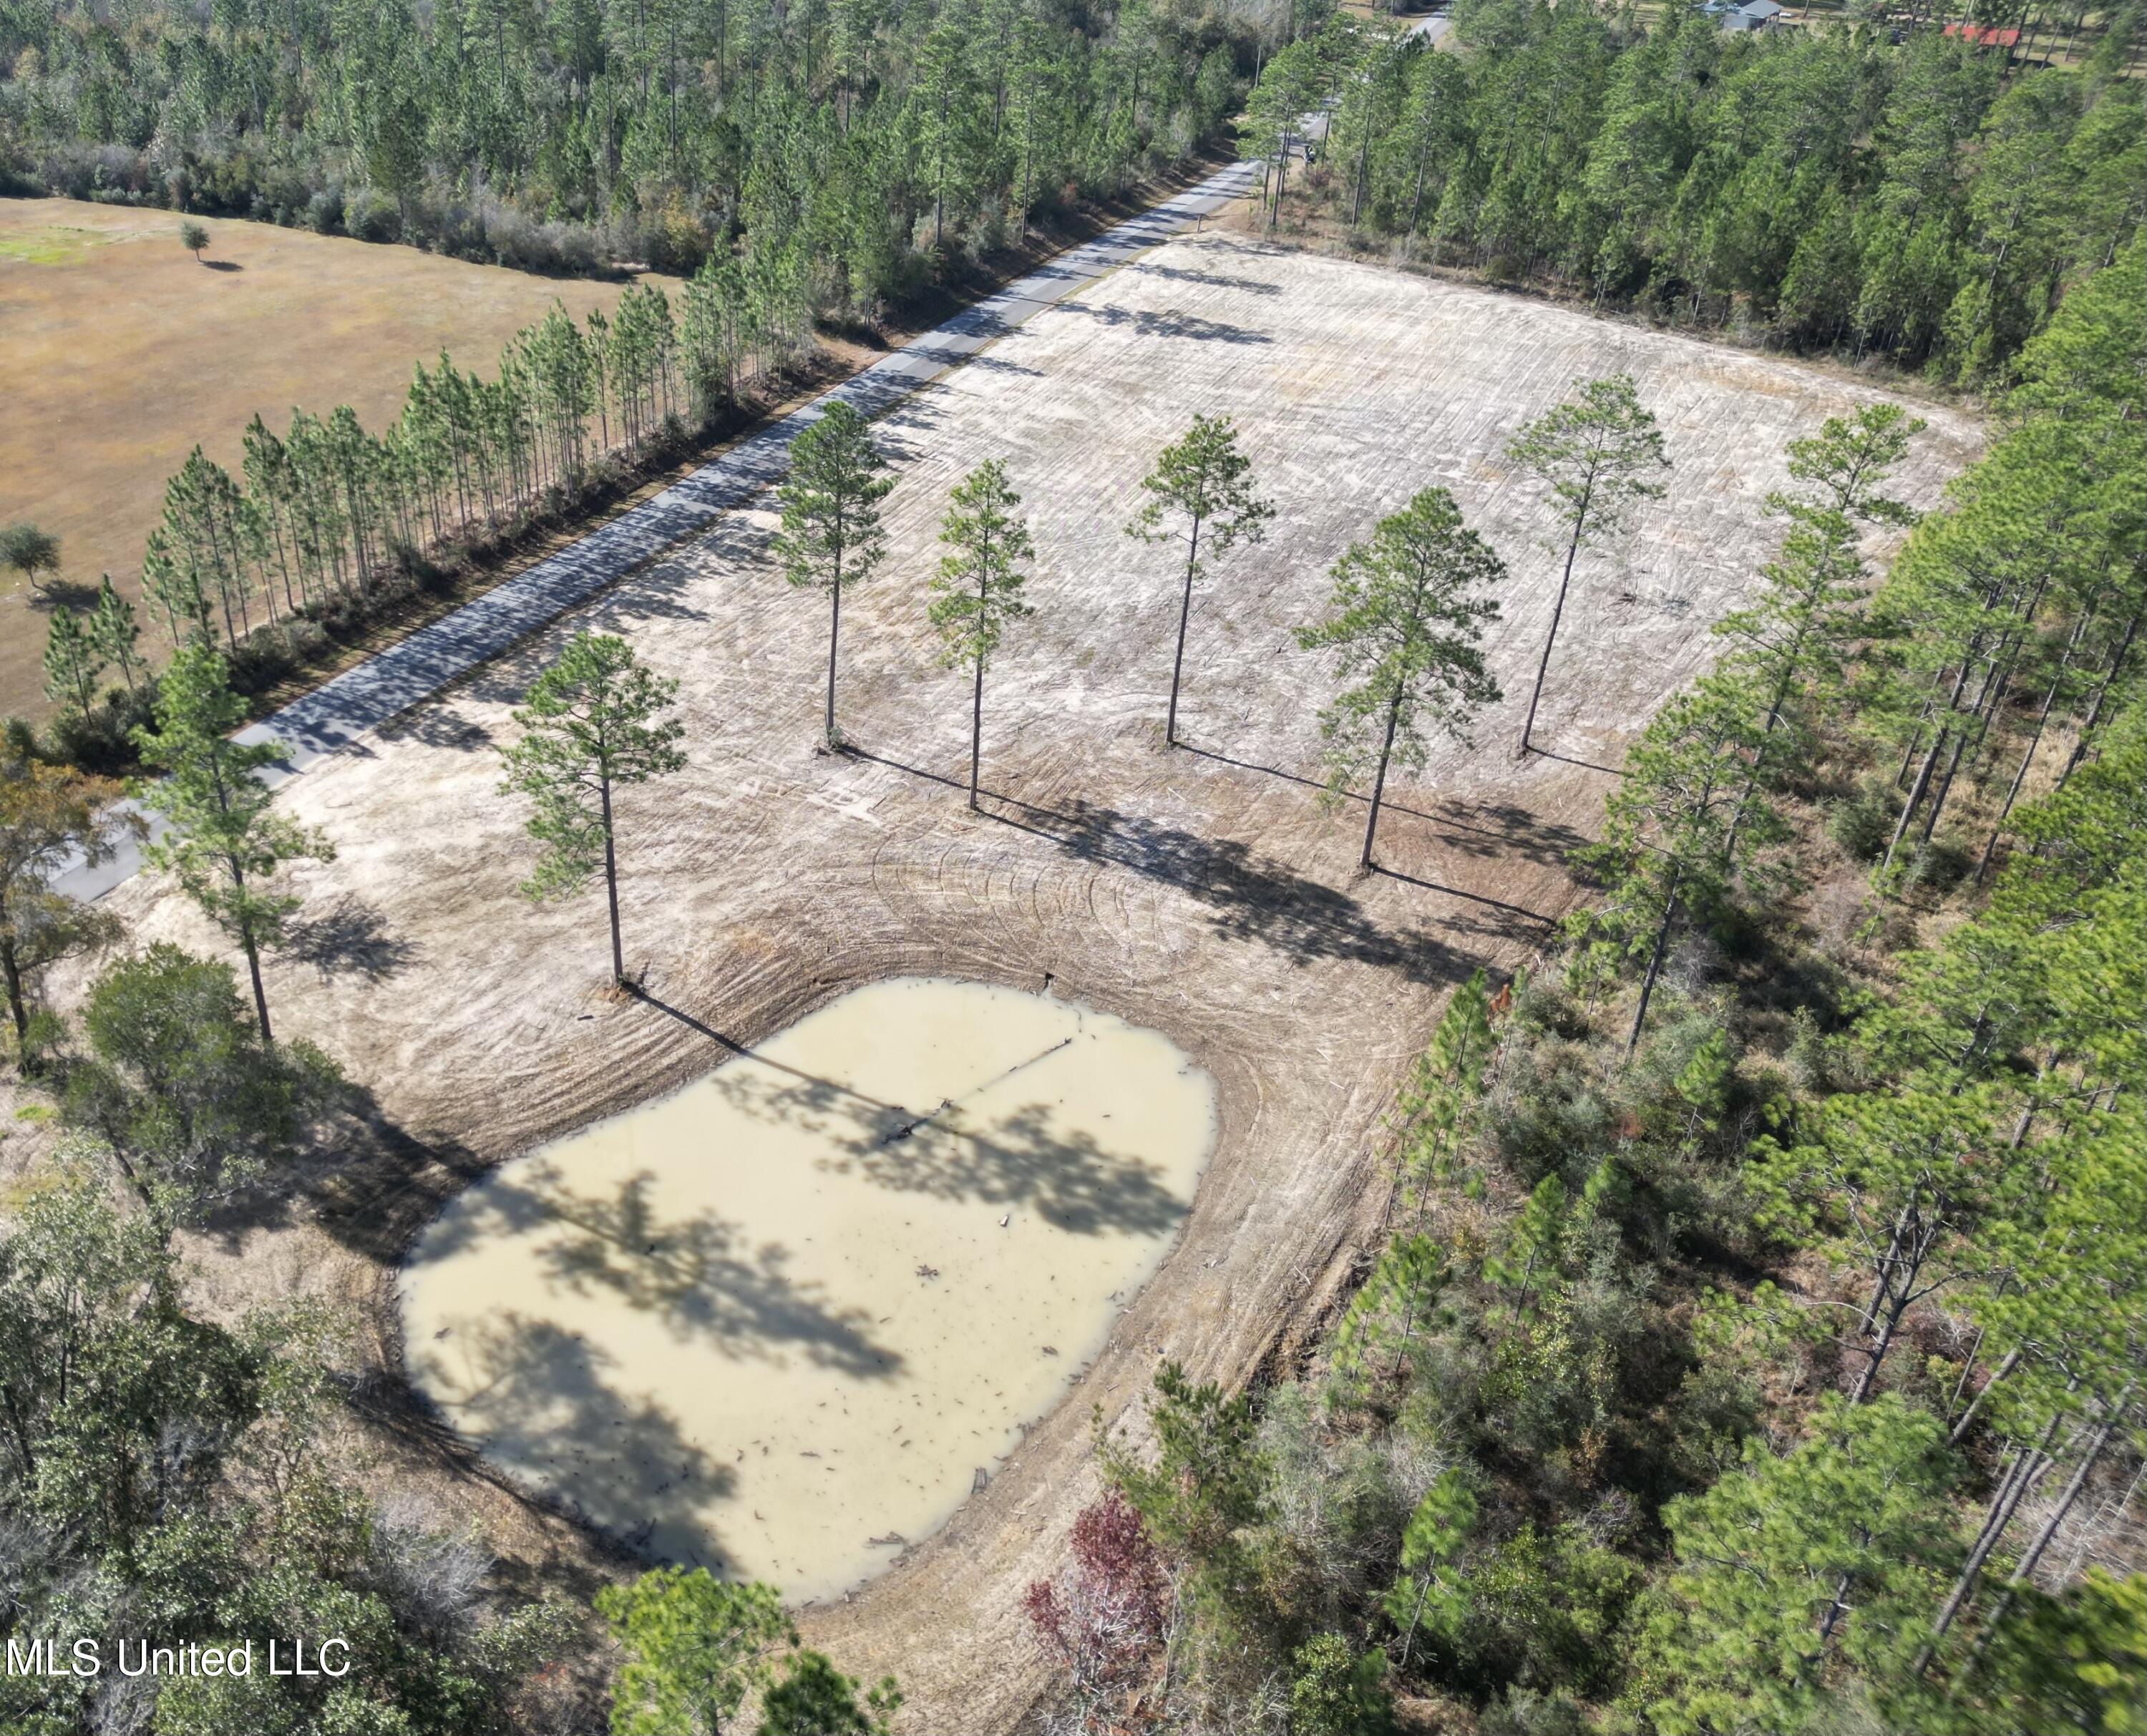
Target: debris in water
x: 892, y: 1540
x: 928, y: 1271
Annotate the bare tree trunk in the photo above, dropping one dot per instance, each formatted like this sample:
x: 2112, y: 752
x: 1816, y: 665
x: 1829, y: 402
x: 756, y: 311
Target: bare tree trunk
x: 1380, y: 783
x: 1416, y: 1618
x: 11, y: 974
x: 1915, y: 795
x: 976, y: 732
x: 2032, y: 1557
x: 1184, y: 614
x: 1836, y: 1607
x: 2012, y: 1361
x: 252, y: 952
x: 1557, y: 610
x: 2019, y: 1478
x: 835, y: 638
x: 1654, y: 968
x: 611, y: 880
x: 2029, y: 1561
x: 2102, y: 693
x: 2028, y: 756
x: 1898, y: 1271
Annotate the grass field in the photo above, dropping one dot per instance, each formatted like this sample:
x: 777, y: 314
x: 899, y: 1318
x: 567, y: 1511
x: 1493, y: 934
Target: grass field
x: 118, y: 351
x: 1203, y: 894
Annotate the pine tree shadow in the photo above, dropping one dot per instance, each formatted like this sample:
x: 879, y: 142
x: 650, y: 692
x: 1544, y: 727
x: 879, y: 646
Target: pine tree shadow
x: 542, y: 1403
x: 695, y: 1273
x: 982, y: 359
x: 1219, y: 280
x: 1016, y: 1159
x: 1068, y: 1178
x: 347, y: 938
x: 59, y: 593
x: 1249, y: 896
x: 1149, y: 323
x: 1474, y: 829
x: 435, y: 724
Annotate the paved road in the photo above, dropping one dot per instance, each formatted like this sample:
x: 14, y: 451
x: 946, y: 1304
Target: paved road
x: 360, y: 698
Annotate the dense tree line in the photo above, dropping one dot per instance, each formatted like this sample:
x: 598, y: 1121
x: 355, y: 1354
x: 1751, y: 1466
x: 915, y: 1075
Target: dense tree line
x: 1824, y: 189
x: 841, y: 138
x: 1756, y: 1330
x: 327, y: 509
x: 328, y: 523
x: 1773, y: 1361
x: 1777, y: 1351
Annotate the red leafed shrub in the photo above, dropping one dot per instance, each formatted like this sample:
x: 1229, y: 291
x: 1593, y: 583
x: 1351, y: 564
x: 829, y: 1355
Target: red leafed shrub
x: 1103, y: 1617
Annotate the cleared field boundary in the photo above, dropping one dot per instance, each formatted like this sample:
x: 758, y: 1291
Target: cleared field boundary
x: 392, y: 681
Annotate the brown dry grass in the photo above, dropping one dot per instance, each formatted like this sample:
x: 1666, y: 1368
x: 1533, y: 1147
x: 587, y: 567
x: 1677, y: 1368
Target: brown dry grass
x: 120, y: 353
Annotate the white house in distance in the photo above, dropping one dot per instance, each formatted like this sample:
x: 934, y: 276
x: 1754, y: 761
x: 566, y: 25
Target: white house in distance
x: 1753, y: 15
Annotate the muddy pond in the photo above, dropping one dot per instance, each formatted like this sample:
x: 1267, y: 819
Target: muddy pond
x: 780, y: 1323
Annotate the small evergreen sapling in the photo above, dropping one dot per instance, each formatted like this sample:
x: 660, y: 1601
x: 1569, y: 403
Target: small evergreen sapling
x: 1202, y: 484
x: 223, y: 841
x: 977, y: 590
x: 1407, y: 615
x: 594, y: 721
x: 831, y: 537
x: 1598, y: 451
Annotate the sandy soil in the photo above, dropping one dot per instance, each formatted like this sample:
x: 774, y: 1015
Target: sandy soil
x: 782, y: 1322
x: 119, y: 352
x: 1202, y: 894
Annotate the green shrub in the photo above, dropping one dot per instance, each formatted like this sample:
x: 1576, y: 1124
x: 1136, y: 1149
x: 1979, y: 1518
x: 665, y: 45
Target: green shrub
x: 1861, y: 824
x: 1336, y: 1693
x: 1938, y: 867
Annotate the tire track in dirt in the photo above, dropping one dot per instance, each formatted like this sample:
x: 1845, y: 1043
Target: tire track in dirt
x: 1201, y: 893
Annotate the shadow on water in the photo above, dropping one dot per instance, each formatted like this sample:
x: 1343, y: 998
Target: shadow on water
x: 544, y: 1400
x: 1015, y: 1160
x: 1069, y: 1180
x: 695, y: 1274
x: 527, y: 1391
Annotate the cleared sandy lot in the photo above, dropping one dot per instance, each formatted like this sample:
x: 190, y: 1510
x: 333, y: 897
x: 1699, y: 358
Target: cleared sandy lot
x: 821, y: 1265
x: 1201, y: 894
x: 119, y: 352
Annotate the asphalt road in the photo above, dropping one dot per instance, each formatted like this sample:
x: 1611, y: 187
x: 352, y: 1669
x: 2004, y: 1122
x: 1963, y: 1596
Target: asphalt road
x: 393, y: 681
